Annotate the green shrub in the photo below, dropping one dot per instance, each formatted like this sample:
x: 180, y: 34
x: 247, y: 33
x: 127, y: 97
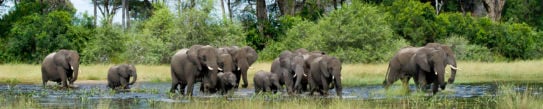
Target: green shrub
x: 106, y: 46
x: 470, y: 52
x: 356, y: 33
x: 414, y: 21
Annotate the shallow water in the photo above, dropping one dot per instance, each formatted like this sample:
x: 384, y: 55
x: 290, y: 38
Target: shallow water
x: 98, y: 95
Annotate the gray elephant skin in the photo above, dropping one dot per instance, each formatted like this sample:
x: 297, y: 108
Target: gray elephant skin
x: 419, y: 62
x: 118, y: 77
x: 266, y: 82
x: 199, y: 63
x: 226, y: 83
x: 289, y: 67
x: 324, y: 71
x: 242, y: 58
x: 61, y: 67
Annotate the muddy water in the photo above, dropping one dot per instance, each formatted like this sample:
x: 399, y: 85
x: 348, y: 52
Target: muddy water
x: 98, y: 95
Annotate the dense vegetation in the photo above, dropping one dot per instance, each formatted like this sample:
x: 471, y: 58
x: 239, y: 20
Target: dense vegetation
x: 357, y: 32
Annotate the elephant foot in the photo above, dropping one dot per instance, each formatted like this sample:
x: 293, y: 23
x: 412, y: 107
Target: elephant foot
x: 451, y: 81
x: 244, y: 85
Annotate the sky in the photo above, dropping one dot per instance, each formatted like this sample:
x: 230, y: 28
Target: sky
x: 83, y: 6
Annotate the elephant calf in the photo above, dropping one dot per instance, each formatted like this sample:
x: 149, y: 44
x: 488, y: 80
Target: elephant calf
x: 266, y: 81
x: 324, y: 71
x: 227, y: 81
x: 118, y: 76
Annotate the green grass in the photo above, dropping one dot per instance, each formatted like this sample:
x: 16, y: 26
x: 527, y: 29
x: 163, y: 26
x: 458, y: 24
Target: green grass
x: 353, y: 74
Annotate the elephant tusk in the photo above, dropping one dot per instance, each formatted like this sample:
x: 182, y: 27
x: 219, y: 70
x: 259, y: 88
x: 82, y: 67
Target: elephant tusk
x: 294, y: 75
x: 219, y: 69
x: 71, y: 67
x: 455, y: 68
x: 333, y: 77
x: 239, y: 68
x: 305, y: 75
x: 209, y: 68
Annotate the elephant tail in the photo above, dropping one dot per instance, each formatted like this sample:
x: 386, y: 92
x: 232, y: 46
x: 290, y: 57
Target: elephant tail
x: 386, y: 75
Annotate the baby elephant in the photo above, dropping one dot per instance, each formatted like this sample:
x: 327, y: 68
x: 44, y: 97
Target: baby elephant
x: 118, y: 76
x: 227, y: 81
x: 266, y: 81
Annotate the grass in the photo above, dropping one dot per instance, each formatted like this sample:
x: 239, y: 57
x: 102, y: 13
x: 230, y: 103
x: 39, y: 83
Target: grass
x: 353, y: 74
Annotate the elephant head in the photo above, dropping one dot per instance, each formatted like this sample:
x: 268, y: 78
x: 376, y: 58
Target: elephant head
x: 227, y: 78
x: 205, y: 58
x: 69, y: 60
x: 243, y: 59
x: 133, y: 73
x: 274, y: 79
x: 431, y: 60
x: 225, y: 62
x: 450, y: 58
x: 293, y: 63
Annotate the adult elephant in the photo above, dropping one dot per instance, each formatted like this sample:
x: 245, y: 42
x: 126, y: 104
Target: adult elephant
x: 61, y: 67
x: 411, y: 61
x: 324, y: 71
x: 430, y: 66
x: 290, y: 67
x: 189, y: 65
x: 119, y: 76
x: 243, y: 59
x: 449, y: 60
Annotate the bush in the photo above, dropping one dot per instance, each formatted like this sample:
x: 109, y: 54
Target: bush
x: 164, y: 33
x: 106, y: 47
x: 470, y: 52
x: 356, y: 33
x: 414, y: 21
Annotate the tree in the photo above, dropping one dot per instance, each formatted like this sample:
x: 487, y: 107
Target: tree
x: 494, y: 8
x: 262, y: 16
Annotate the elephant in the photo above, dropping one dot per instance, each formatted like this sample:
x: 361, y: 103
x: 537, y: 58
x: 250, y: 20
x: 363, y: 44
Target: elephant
x: 119, y: 76
x: 243, y: 59
x: 450, y: 58
x: 227, y: 81
x: 414, y: 62
x: 324, y: 71
x: 61, y: 67
x: 289, y: 67
x: 266, y: 81
x: 191, y: 65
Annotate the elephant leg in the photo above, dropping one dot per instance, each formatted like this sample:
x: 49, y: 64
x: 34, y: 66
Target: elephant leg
x: 238, y: 79
x: 392, y: 77
x: 124, y: 83
x: 420, y: 81
x: 190, y: 86
x: 175, y: 83
x: 435, y: 88
x: 405, y: 83
x: 182, y: 87
x: 324, y: 88
x: 63, y: 77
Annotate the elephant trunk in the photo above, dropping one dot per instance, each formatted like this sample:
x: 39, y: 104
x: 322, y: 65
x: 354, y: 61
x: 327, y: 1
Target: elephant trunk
x: 299, y: 73
x: 441, y: 76
x: 74, y: 66
x: 244, y: 67
x: 135, y: 76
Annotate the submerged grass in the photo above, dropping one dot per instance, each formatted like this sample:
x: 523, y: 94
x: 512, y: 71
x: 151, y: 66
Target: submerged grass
x: 352, y: 74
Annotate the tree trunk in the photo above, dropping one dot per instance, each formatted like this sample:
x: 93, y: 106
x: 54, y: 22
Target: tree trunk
x: 335, y: 4
x: 223, y: 11
x: 95, y: 12
x: 494, y: 8
x: 127, y: 14
x: 123, y: 14
x: 230, y: 11
x: 261, y: 16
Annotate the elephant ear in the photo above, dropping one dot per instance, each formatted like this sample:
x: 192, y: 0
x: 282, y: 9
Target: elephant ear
x: 61, y: 58
x: 421, y: 60
x: 323, y: 64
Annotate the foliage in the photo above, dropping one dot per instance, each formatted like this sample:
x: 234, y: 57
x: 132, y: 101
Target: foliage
x: 414, y: 21
x: 348, y: 33
x: 466, y: 51
x: 527, y: 11
x: 106, y: 46
x: 164, y: 33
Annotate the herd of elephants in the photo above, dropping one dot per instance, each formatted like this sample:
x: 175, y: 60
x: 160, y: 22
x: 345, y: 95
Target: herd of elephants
x: 220, y: 70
